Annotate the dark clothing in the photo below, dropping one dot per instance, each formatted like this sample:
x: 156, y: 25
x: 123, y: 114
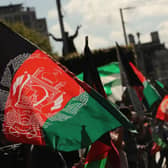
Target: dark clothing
x: 14, y: 156
x: 71, y: 158
x: 162, y: 131
x: 163, y: 153
x: 70, y: 46
x: 43, y: 157
x: 145, y: 142
x: 130, y: 148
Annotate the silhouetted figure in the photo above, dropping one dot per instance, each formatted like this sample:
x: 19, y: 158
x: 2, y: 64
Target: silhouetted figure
x: 70, y: 47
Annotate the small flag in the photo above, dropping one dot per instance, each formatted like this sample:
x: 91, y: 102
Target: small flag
x: 150, y: 93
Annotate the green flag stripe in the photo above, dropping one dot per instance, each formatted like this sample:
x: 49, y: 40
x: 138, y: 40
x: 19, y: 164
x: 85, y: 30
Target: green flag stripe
x: 109, y: 69
x: 87, y: 122
x: 159, y: 141
x: 113, y: 110
x: 80, y: 76
x: 110, y: 85
x: 97, y: 164
x: 160, y: 84
x: 150, y: 93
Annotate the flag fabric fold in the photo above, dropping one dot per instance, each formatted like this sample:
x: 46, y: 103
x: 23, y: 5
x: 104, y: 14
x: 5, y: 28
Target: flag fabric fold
x: 46, y: 104
x: 99, y: 153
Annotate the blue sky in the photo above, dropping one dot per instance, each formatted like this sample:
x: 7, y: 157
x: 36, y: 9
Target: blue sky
x: 101, y: 20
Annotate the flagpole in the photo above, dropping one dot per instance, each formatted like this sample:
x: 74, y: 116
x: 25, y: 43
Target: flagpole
x: 123, y: 26
x: 123, y: 23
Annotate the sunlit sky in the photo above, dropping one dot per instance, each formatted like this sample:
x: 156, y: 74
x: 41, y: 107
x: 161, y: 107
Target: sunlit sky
x: 100, y: 19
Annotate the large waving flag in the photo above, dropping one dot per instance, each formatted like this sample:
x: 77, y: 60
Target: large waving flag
x: 99, y: 152
x: 45, y: 104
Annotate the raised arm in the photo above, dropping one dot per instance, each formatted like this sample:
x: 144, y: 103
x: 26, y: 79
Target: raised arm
x: 76, y: 32
x: 54, y: 38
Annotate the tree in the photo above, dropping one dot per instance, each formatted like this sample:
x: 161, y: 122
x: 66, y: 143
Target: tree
x: 35, y: 37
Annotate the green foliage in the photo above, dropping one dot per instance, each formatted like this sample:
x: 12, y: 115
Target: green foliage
x: 33, y: 36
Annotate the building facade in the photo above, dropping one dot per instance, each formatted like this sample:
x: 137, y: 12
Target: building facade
x: 152, y: 57
x: 27, y: 16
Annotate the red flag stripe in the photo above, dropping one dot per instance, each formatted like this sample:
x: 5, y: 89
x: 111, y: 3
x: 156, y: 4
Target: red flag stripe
x: 162, y: 112
x: 98, y: 151
x: 138, y: 73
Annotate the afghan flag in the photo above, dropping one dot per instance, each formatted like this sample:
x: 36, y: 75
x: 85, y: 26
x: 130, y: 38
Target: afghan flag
x: 162, y: 111
x: 46, y: 104
x: 99, y: 152
x: 150, y: 93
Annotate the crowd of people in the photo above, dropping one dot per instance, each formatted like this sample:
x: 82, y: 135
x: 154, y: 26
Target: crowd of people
x: 148, y: 148
x: 136, y: 150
